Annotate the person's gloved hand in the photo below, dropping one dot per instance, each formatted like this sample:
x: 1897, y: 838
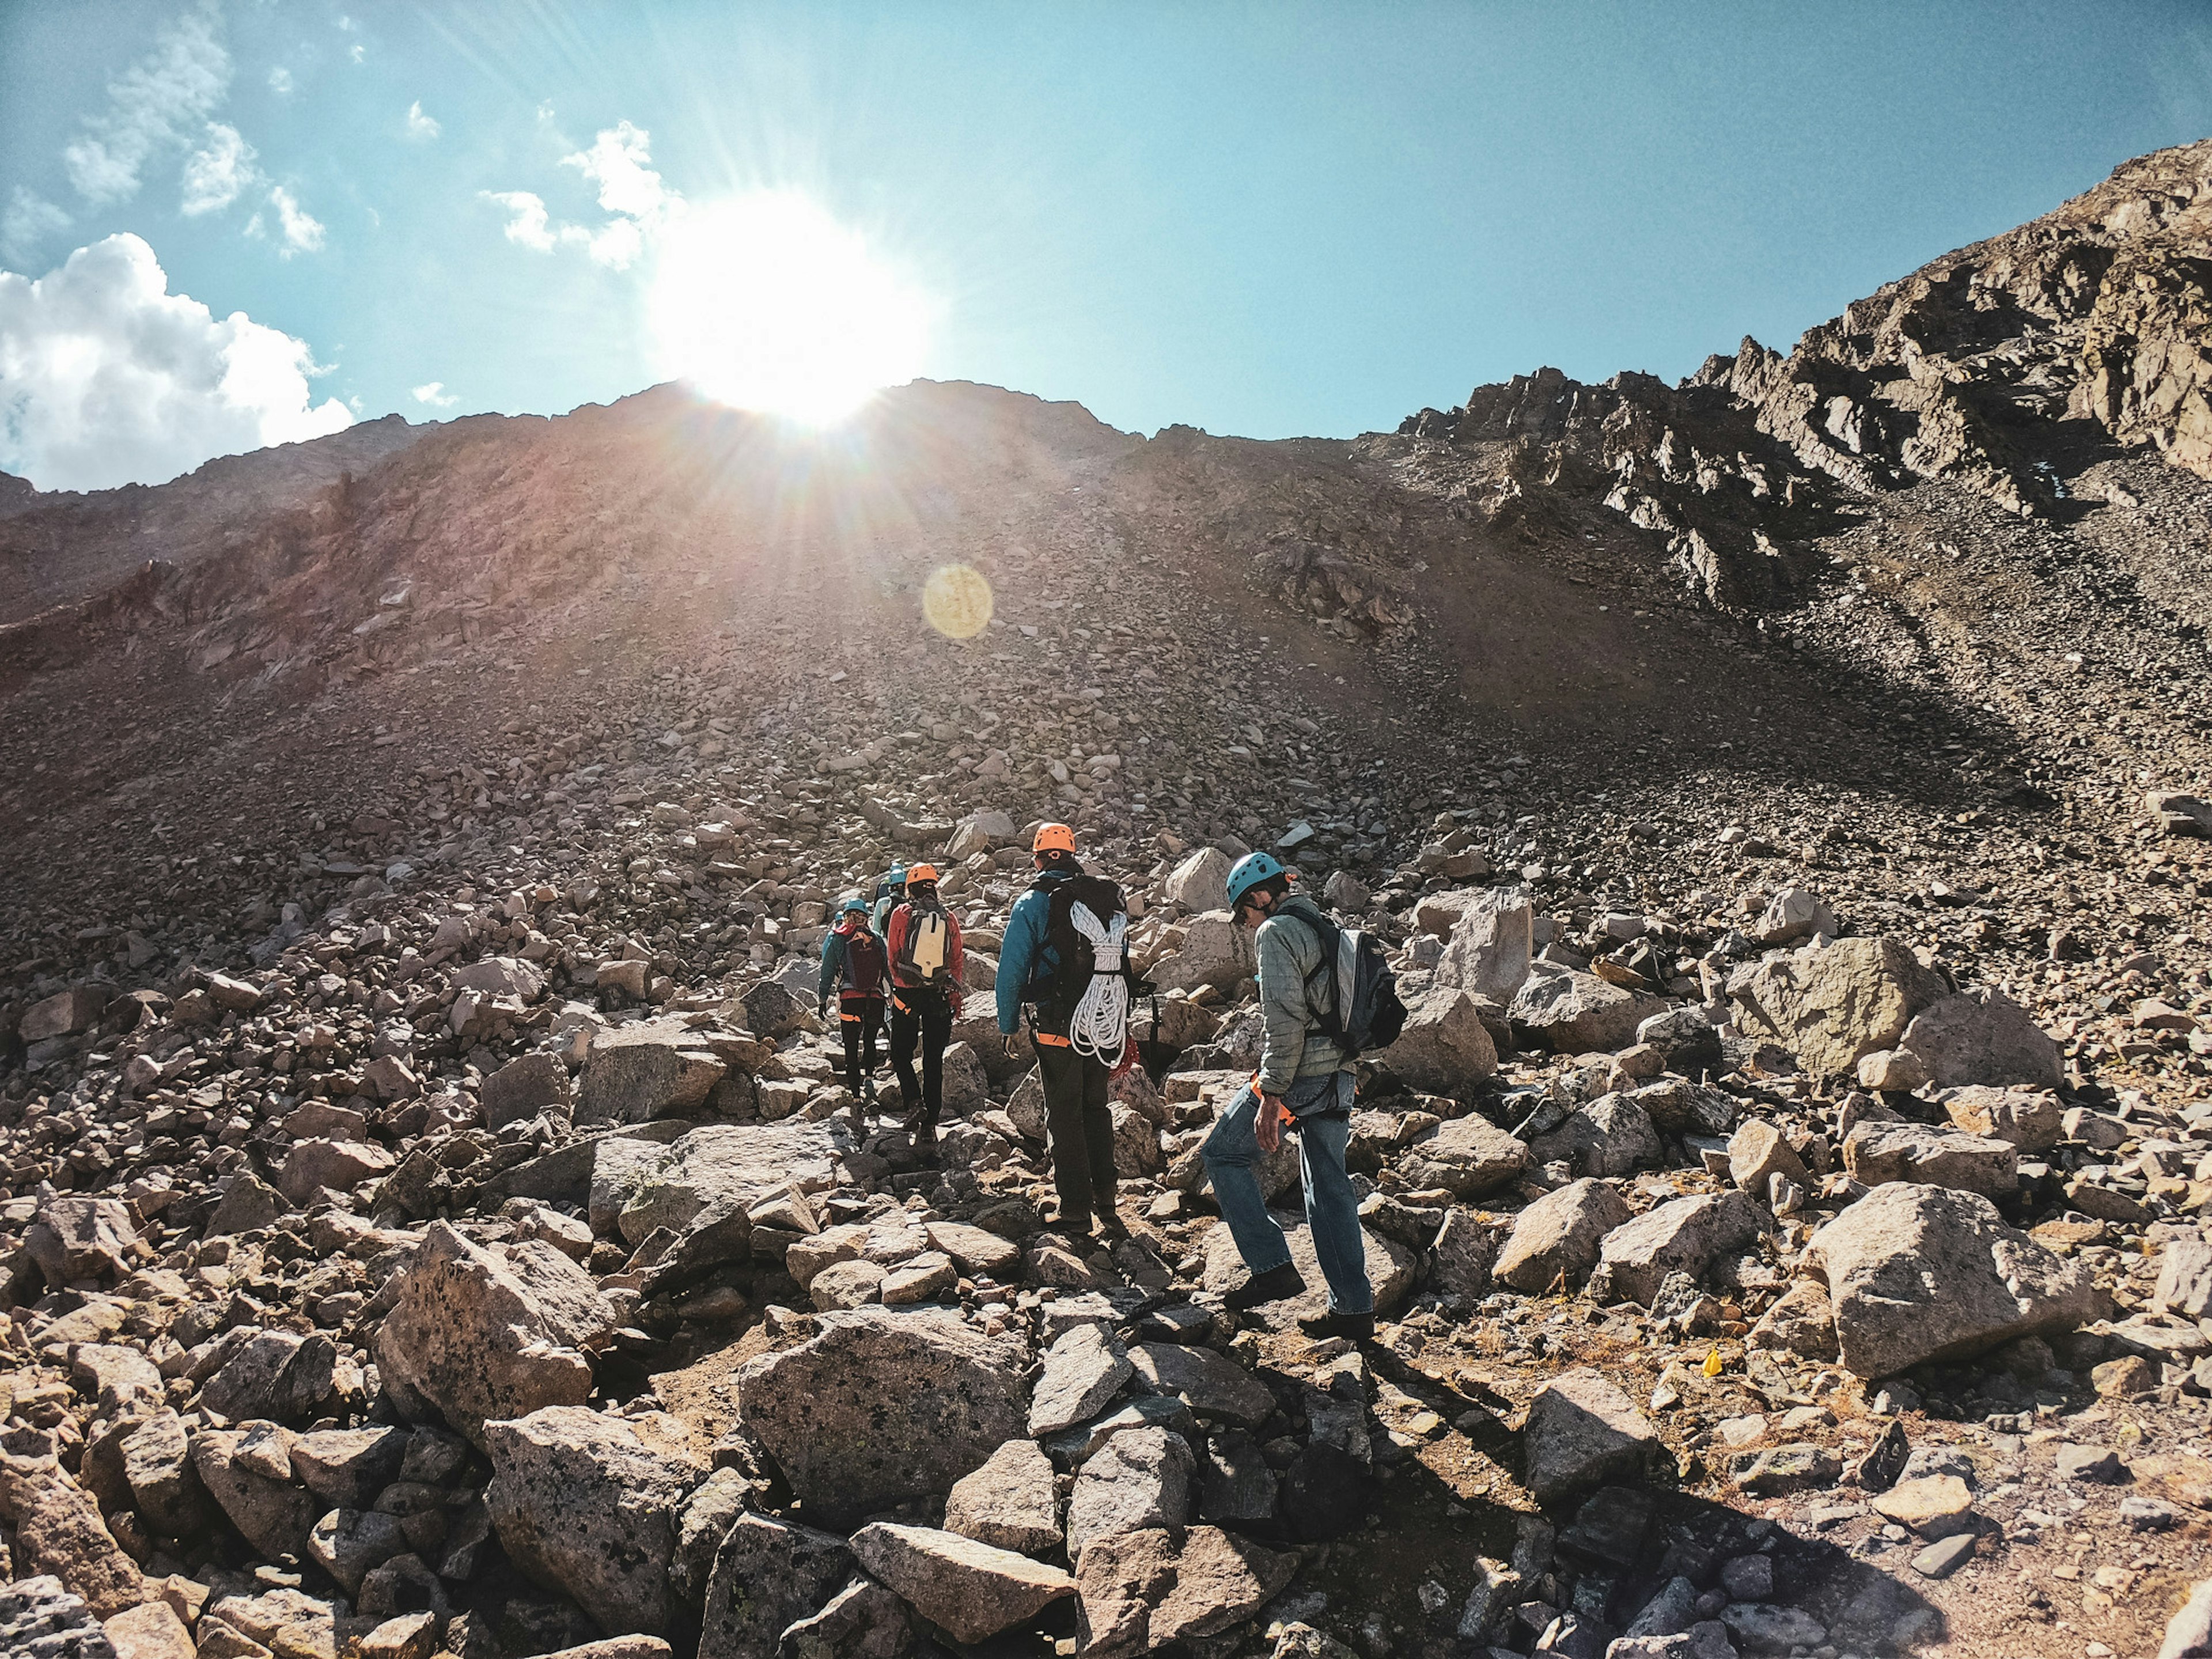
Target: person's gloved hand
x: 822, y: 1011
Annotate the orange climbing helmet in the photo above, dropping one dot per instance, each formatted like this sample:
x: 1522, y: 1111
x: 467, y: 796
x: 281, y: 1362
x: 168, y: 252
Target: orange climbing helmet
x: 1053, y: 838
x: 918, y: 873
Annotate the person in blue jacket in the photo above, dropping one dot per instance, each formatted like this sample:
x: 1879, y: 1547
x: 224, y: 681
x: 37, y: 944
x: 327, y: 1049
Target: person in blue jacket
x: 1078, y: 1121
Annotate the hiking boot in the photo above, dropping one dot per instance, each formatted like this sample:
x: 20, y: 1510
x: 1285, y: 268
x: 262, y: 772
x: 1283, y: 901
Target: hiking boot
x: 1113, y: 1226
x: 1273, y: 1285
x: 1353, y: 1327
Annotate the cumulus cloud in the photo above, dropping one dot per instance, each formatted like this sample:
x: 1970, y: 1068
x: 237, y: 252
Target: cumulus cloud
x: 638, y: 201
x: 280, y: 82
x: 30, y: 218
x: 154, y: 107
x: 526, y: 220
x: 106, y: 378
x: 420, y: 126
x: 434, y: 394
x: 301, y: 232
x: 218, y: 172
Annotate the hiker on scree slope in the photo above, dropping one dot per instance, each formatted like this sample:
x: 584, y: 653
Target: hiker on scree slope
x: 855, y: 961
x: 890, y: 893
x: 1048, y: 962
x: 1304, y: 1080
x: 923, y: 940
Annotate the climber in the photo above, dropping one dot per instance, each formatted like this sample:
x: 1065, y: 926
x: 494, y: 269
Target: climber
x: 890, y: 890
x: 923, y: 940
x: 1304, y: 1082
x: 1050, y: 961
x: 855, y: 961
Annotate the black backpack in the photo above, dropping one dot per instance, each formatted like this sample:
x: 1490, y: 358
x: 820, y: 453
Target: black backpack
x: 1362, y: 1011
x: 1056, y: 990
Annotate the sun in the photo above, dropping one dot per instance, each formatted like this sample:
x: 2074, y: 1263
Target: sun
x: 765, y: 302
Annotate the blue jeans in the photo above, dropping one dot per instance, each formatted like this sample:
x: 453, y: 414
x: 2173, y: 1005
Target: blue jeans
x: 1332, y: 1205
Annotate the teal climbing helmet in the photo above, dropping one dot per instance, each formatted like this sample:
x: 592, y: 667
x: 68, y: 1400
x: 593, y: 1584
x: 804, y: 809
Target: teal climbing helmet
x: 1248, y: 872
x: 853, y: 901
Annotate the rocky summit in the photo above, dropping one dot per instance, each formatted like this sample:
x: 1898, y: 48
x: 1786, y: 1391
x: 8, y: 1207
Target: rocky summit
x: 431, y: 1221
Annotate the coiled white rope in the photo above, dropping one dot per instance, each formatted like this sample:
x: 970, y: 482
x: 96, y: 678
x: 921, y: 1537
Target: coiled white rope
x: 1100, y: 1027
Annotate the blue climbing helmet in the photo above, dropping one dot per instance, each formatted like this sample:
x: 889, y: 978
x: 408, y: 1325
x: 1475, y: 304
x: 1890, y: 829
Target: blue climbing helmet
x: 1248, y: 872
x: 853, y: 901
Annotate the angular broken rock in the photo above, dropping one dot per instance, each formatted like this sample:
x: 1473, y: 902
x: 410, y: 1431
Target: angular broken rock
x: 1487, y: 955
x: 1577, y: 1014
x: 1138, y: 1479
x: 711, y: 1176
x: 1611, y: 1136
x: 768, y: 1576
x: 1917, y: 1272
x: 2184, y: 1277
x: 1215, y: 1386
x: 473, y: 1335
x: 587, y: 1503
x: 2031, y: 1119
x: 1445, y: 1047
x: 1466, y: 1157
x: 340, y: 1165
x: 348, y: 1467
x: 864, y: 1621
x: 1685, y: 1235
x: 1141, y: 1590
x: 1011, y: 1502
x: 1082, y: 1370
x: 76, y: 1238
x: 973, y: 1590
x: 1559, y: 1235
x: 277, y: 1375
x: 157, y: 1466
x: 524, y: 1087
x: 1389, y: 1269
x: 1801, y: 1322
x: 1981, y: 1035
x: 878, y: 1405
x: 1831, y: 1005
x: 348, y: 1543
x: 59, y: 1530
x: 249, y: 1203
x: 653, y: 1068
x: 1582, y: 1432
x: 1878, y: 1153
x: 275, y: 1516
x: 1756, y: 1152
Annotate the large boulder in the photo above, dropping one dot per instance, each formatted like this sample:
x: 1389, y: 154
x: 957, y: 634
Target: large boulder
x: 474, y: 1335
x: 1915, y: 1274
x: 1577, y: 1013
x: 80, y: 1238
x: 1139, y: 1478
x: 59, y: 1530
x: 2032, y: 1120
x: 339, y: 1165
x: 1084, y: 1369
x: 1142, y: 1591
x: 768, y: 1575
x: 651, y: 1068
x: 277, y: 1375
x: 1611, y: 1136
x: 1217, y: 951
x: 271, y: 1514
x: 1467, y: 1156
x: 704, y: 1183
x: 1582, y: 1432
x: 1011, y: 1502
x: 1445, y: 1047
x: 1981, y: 1035
x: 1201, y: 882
x: 587, y: 1503
x: 1488, y: 952
x: 1559, y: 1236
x: 1685, y: 1235
x: 1876, y: 1153
x: 874, y: 1407
x: 971, y: 1590
x: 524, y: 1087
x: 1832, y: 1005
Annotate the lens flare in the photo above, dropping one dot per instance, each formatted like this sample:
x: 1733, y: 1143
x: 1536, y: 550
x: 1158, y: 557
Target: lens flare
x: 765, y: 302
x: 956, y: 601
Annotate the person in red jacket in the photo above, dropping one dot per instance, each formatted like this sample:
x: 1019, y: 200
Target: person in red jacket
x: 923, y: 939
x: 854, y: 960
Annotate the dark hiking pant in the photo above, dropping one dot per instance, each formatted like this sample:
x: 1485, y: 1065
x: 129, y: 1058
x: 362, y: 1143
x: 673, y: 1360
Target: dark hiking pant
x: 918, y: 1016
x: 862, y: 1021
x: 1078, y: 1132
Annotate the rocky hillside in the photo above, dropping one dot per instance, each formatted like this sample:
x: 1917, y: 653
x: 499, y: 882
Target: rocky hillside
x: 431, y: 1220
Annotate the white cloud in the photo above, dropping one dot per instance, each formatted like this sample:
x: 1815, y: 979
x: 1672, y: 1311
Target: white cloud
x: 280, y: 82
x: 153, y: 107
x: 29, y: 220
x: 420, y: 126
x: 434, y: 394
x: 218, y: 172
x: 106, y: 378
x: 627, y: 188
x: 526, y: 221
x: 617, y: 163
x: 303, y: 232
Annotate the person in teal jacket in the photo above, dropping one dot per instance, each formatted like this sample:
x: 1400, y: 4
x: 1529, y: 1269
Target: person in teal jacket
x: 890, y: 893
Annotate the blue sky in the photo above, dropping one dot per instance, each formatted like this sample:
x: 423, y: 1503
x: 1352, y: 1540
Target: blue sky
x: 1271, y: 220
